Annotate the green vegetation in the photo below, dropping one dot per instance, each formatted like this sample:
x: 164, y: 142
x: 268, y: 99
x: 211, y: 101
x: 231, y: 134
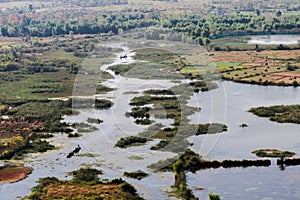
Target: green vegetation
x: 85, y: 184
x: 89, y: 103
x: 94, y: 121
x: 37, y: 85
x: 103, y: 104
x: 146, y: 70
x: 84, y: 128
x: 171, y: 104
x: 102, y: 89
x: 130, y: 141
x: 198, y: 21
x: 137, y: 174
x: 24, y: 131
x: 86, y: 175
x: 280, y: 113
x: 45, y: 45
x: 213, y: 196
x: 180, y: 181
x: 48, y: 112
x: 192, y: 162
x: 14, y: 136
x: 37, y: 146
x: 211, y: 128
x: 273, y: 153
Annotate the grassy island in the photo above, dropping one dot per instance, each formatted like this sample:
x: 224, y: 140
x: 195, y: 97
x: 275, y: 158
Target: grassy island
x: 279, y: 113
x: 275, y: 153
x: 85, y: 184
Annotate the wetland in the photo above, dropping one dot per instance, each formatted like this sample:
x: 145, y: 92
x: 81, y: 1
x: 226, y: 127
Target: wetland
x: 125, y: 100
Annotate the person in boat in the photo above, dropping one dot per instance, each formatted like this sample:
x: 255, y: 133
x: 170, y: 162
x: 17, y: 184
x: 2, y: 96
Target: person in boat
x: 77, y: 149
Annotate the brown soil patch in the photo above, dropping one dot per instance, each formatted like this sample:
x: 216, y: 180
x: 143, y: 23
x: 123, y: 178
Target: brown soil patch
x: 11, y: 174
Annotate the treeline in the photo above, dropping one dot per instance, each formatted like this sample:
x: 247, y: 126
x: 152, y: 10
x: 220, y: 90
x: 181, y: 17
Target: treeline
x: 26, y: 25
x: 18, y: 22
x: 93, y: 3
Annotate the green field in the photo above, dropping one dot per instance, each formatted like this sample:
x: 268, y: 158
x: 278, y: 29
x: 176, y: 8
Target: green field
x: 38, y: 85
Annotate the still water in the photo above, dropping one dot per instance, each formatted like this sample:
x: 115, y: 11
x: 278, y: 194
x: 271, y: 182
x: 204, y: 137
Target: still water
x: 230, y: 104
x: 274, y: 39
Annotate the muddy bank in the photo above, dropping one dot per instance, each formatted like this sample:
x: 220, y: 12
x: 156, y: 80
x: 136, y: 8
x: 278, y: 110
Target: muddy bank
x: 12, y: 174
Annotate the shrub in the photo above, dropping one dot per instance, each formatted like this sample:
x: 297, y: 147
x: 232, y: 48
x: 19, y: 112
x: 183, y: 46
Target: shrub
x: 130, y: 141
x: 86, y: 175
x: 213, y: 196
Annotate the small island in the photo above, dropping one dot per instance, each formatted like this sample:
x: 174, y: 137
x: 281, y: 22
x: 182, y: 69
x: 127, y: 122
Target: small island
x: 273, y: 153
x: 85, y: 184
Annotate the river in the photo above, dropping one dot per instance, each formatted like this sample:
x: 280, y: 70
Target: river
x: 228, y: 104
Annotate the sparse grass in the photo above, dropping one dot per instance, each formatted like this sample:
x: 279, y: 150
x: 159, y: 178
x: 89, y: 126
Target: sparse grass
x: 136, y: 158
x: 91, y: 155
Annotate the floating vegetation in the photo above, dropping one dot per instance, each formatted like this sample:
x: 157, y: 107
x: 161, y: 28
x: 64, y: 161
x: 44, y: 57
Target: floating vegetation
x: 136, y: 158
x: 289, y: 161
x: 84, y: 128
x: 273, y: 153
x: 131, y: 141
x: 137, y: 174
x: 213, y: 196
x: 91, y: 155
x: 82, y: 103
x: 193, y: 162
x: 94, y: 121
x: 74, y: 135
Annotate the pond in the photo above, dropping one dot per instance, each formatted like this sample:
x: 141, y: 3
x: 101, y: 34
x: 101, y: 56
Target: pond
x: 273, y: 39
